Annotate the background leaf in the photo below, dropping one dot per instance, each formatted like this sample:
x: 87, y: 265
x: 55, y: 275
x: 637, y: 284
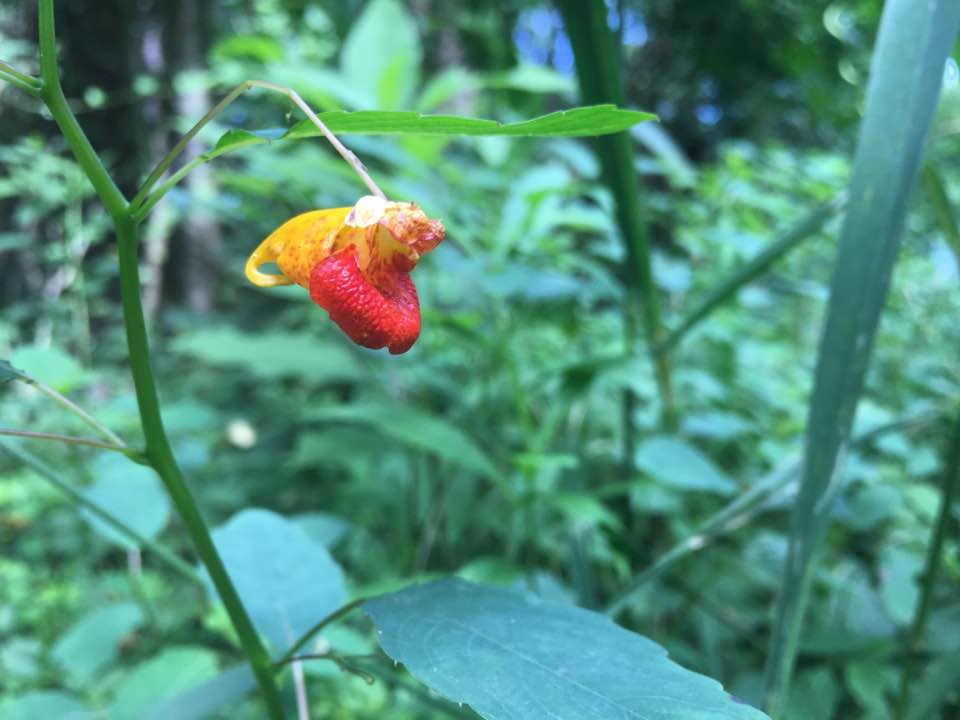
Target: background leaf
x: 287, y: 581
x: 271, y: 355
x: 675, y: 463
x: 164, y: 676
x: 202, y: 701
x: 381, y: 56
x: 415, y: 429
x: 516, y: 656
x: 93, y: 641
x: 128, y: 491
x: 44, y: 704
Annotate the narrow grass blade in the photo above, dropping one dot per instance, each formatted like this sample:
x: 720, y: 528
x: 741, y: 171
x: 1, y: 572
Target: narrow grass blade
x: 951, y: 483
x: 742, y: 510
x: 933, y: 184
x: 726, y: 290
x: 906, y: 71
x: 598, y: 71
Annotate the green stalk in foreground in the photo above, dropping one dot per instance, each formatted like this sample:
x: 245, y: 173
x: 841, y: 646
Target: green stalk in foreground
x: 906, y: 73
x: 598, y: 71
x: 158, y: 452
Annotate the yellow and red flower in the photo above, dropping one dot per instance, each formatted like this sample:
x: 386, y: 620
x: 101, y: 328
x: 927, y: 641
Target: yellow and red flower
x: 356, y: 263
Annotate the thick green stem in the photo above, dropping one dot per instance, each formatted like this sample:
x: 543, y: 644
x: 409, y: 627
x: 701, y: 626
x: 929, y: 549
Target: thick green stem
x: 158, y: 452
x: 160, y: 456
x: 951, y: 485
x: 56, y: 102
x: 598, y: 64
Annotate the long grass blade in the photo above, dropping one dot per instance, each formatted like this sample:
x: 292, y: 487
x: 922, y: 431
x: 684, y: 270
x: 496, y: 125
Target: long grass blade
x: 906, y: 72
x: 598, y: 71
x: 792, y: 237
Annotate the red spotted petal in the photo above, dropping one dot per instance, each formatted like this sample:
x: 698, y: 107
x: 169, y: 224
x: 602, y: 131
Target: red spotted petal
x: 379, y: 312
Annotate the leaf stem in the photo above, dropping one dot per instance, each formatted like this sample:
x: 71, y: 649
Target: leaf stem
x: 68, y: 404
x: 71, y: 439
x: 951, y: 484
x: 20, y: 80
x: 47, y: 473
x: 288, y: 656
x: 143, y: 199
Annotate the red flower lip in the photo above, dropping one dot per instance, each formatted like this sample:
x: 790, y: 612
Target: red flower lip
x: 356, y: 263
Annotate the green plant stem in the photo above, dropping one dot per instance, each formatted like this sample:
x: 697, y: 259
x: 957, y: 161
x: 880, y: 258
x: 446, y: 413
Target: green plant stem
x: 20, y: 80
x: 598, y: 72
x: 143, y: 201
x: 158, y: 452
x: 68, y: 404
x: 69, y: 439
x: 951, y: 484
x: 47, y: 473
x: 52, y: 95
x: 727, y: 289
x: 160, y: 456
x: 288, y: 656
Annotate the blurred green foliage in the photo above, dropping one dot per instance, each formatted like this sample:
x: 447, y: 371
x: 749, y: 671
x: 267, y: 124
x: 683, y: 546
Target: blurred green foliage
x: 492, y: 449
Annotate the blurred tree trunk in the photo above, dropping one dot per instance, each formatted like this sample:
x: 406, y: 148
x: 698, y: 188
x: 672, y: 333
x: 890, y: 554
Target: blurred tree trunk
x: 156, y: 136
x: 200, y: 240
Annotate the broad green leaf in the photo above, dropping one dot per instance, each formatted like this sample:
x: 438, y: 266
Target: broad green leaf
x: 511, y: 656
x: 44, y: 704
x: 287, y: 581
x: 271, y: 355
x: 906, y: 72
x: 91, y: 643
x: 202, y: 701
x: 382, y: 55
x: 128, y: 491
x: 153, y: 681
x: 677, y: 464
x: 415, y: 429
x: 50, y: 365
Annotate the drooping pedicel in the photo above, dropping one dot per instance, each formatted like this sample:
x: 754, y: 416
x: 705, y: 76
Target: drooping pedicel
x: 356, y: 263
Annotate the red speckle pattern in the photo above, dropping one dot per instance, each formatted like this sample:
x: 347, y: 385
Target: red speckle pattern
x: 377, y: 309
